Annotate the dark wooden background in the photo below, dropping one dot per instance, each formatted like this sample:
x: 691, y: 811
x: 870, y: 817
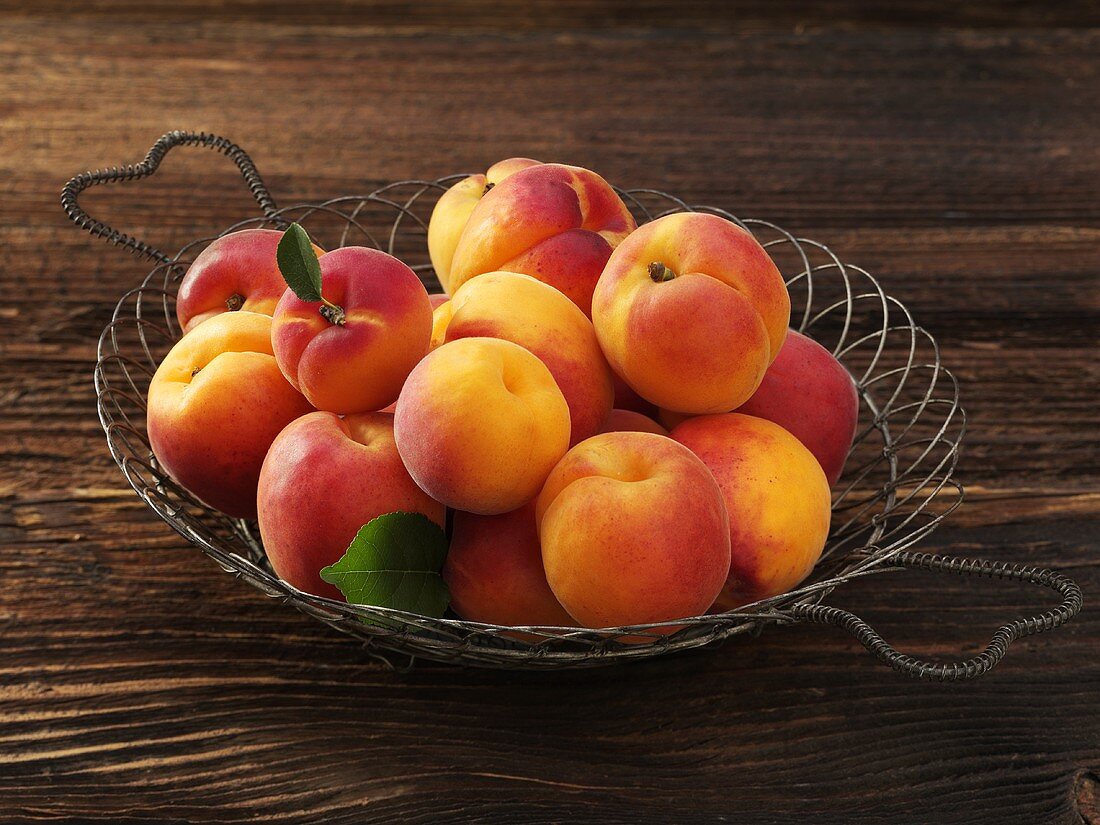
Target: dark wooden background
x: 953, y: 149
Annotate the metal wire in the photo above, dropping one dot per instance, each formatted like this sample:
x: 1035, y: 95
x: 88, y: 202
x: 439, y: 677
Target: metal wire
x: 998, y: 645
x: 77, y: 184
x: 897, y: 487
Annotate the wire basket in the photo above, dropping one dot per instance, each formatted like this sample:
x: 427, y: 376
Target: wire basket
x: 897, y: 486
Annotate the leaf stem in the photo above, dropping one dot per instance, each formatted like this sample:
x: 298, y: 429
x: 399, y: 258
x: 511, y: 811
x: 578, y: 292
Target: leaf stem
x: 332, y: 313
x: 660, y: 273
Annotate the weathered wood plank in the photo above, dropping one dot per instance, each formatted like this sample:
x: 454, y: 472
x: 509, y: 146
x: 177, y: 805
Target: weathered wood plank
x: 440, y: 16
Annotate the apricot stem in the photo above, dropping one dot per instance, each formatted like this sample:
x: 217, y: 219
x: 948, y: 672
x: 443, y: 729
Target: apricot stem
x: 660, y: 273
x: 332, y: 313
x: 488, y: 186
x: 234, y: 302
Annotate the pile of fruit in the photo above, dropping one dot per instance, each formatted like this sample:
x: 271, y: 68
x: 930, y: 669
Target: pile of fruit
x: 613, y: 423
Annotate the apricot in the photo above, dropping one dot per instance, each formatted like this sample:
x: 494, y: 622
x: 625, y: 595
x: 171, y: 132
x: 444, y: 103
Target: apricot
x: 812, y: 396
x: 777, y: 498
x: 628, y: 421
x: 494, y: 571
x: 324, y: 478
x: 215, y: 404
x: 480, y: 423
x: 555, y: 223
x: 453, y: 209
x: 633, y: 531
x: 690, y: 311
x: 356, y: 359
x: 441, y: 317
x: 520, y: 309
x: 237, y: 271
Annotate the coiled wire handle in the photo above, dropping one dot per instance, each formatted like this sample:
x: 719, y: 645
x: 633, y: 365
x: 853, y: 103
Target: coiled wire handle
x: 85, y: 180
x: 998, y: 645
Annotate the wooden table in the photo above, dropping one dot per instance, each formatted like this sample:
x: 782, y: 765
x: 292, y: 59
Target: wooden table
x: 952, y: 152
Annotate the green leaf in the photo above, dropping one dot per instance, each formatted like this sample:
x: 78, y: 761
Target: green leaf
x: 395, y: 561
x: 298, y: 263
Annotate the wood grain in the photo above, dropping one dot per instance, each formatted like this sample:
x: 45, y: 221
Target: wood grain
x: 524, y: 16
x: 953, y: 154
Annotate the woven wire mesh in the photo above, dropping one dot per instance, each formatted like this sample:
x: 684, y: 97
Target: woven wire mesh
x: 896, y: 488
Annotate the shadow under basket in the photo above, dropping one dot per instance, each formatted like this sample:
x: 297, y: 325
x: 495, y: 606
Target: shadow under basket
x: 897, y: 486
